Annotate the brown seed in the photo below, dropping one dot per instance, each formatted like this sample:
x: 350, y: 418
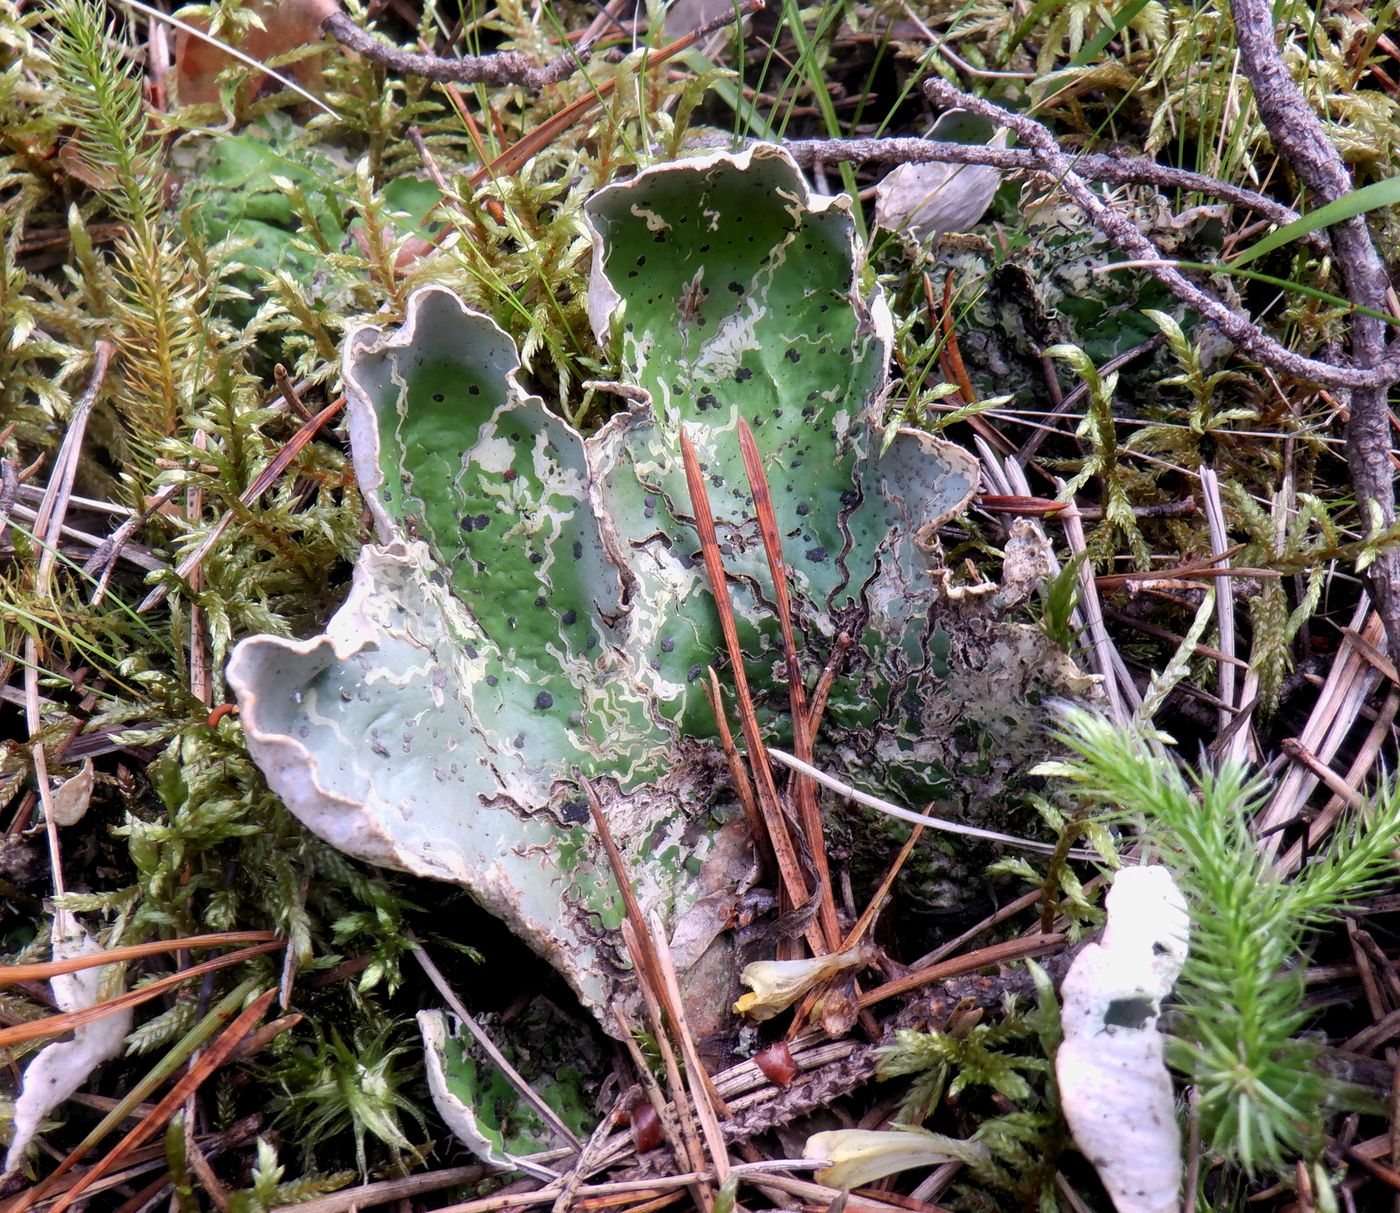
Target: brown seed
x: 777, y: 1064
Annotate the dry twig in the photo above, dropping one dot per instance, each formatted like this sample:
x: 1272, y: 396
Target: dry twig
x: 1092, y: 166
x: 1060, y: 167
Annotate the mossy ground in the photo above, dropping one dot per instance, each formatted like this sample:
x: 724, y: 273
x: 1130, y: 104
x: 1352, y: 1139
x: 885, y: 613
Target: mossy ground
x: 211, y: 244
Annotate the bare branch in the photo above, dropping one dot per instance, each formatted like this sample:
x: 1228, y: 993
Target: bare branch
x: 503, y: 67
x: 1125, y: 234
x: 1127, y: 170
x: 1300, y: 137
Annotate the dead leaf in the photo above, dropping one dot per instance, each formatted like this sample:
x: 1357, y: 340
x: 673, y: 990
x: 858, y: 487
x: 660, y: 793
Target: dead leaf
x: 71, y: 798
x: 286, y: 26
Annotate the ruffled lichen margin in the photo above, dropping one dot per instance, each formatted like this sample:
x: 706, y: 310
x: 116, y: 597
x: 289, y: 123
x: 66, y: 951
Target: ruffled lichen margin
x: 534, y: 606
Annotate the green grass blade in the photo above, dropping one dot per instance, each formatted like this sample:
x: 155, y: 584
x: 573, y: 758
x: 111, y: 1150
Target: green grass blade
x: 1285, y: 284
x: 1348, y: 206
x: 1121, y: 20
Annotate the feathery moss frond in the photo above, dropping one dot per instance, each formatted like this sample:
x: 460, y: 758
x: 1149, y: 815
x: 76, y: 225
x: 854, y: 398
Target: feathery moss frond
x: 1239, y: 1002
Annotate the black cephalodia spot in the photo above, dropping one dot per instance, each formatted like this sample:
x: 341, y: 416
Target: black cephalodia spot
x: 796, y: 463
x: 482, y: 522
x: 706, y: 401
x: 793, y: 356
x: 809, y: 412
x: 578, y: 550
x: 467, y: 524
x: 540, y: 601
x: 737, y: 287
x: 474, y: 390
x: 510, y: 622
x: 693, y: 673
x: 592, y: 641
x: 816, y: 555
x: 470, y: 651
x: 515, y: 437
x: 569, y: 618
x: 803, y: 510
x: 519, y: 742
x: 667, y: 645
x: 575, y: 812
x: 438, y: 397
x: 850, y: 497
x: 536, y: 557
x: 717, y: 481
x: 491, y: 680
x: 544, y: 701
x: 642, y: 260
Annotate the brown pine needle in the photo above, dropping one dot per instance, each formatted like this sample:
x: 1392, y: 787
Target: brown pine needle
x: 709, y: 1107
x: 969, y: 962
x: 515, y: 157
x: 819, y: 696
x: 951, y: 364
x: 190, y: 1082
x: 789, y: 872
x: 55, y: 1025
x: 642, y: 948
x: 670, y: 1129
x: 680, y: 1098
x: 13, y: 974
x: 806, y: 792
x: 743, y: 785
x: 648, y: 970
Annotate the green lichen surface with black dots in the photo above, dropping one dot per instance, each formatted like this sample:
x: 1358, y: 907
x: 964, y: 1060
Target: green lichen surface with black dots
x: 537, y: 607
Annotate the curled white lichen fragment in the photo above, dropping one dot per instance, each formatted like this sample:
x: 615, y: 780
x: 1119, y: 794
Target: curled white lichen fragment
x: 775, y: 985
x: 857, y: 1157
x: 1114, y: 1086
x: 59, y: 1069
x: 924, y: 201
